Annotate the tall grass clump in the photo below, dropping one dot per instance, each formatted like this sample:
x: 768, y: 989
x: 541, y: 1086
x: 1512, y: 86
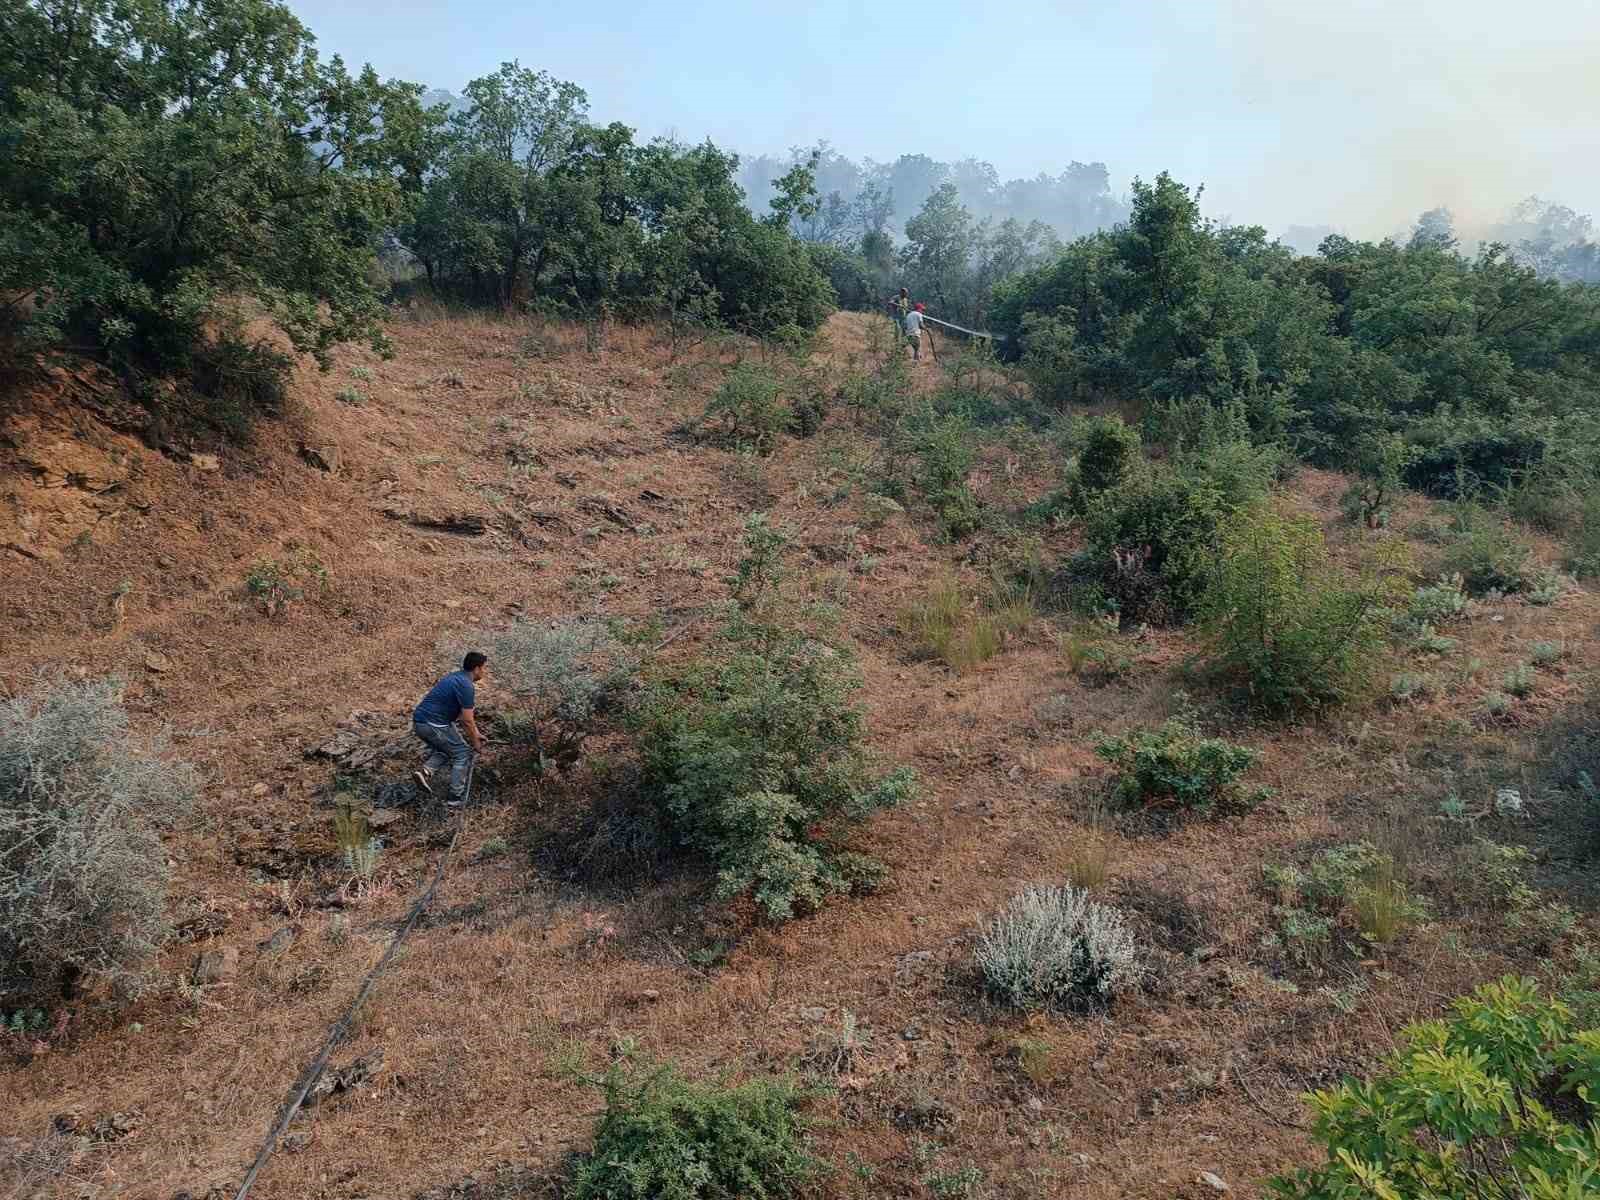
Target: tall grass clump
x: 1056, y: 948
x: 83, y: 875
x: 663, y: 1137
x: 1287, y: 628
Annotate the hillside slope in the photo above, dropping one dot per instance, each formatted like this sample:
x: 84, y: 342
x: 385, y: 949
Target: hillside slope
x: 571, y: 461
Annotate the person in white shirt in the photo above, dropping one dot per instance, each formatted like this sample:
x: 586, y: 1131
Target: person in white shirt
x: 914, y: 331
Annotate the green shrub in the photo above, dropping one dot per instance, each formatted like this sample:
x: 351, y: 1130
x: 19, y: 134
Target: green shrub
x: 1466, y: 1108
x: 1108, y: 454
x: 754, y: 757
x: 83, y: 873
x: 1583, y: 550
x: 1485, y: 551
x: 1519, y: 681
x: 1290, y: 630
x: 1435, y: 604
x: 760, y: 571
x: 946, y: 452
x: 1056, y: 948
x: 749, y: 410
x: 1174, y: 764
x: 1151, y: 542
x: 663, y: 1137
x: 1052, y: 369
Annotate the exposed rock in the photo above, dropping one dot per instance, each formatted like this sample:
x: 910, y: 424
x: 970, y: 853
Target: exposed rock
x: 1215, y: 1182
x: 324, y: 457
x: 217, y: 966
x: 205, y: 462
x: 335, y: 1082
x: 814, y: 1013
x: 281, y: 940
x: 159, y: 663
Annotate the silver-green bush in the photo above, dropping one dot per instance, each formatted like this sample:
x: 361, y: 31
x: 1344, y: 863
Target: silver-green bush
x: 570, y: 672
x: 83, y: 875
x: 1056, y: 948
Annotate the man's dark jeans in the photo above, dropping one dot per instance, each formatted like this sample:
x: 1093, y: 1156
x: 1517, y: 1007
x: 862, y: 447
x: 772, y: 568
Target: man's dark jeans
x: 446, y: 745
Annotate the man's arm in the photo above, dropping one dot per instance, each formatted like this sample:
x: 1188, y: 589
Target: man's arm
x: 469, y: 722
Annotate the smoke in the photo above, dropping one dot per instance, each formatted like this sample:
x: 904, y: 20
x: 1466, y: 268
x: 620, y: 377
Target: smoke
x: 1385, y: 109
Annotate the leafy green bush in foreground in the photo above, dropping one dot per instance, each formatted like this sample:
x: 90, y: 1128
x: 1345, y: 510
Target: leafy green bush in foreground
x: 1467, y: 1108
x: 755, y: 757
x: 665, y: 1138
x: 1289, y: 628
x: 1175, y: 763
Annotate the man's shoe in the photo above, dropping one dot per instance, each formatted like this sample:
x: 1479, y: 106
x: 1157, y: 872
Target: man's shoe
x: 455, y: 803
x: 424, y: 778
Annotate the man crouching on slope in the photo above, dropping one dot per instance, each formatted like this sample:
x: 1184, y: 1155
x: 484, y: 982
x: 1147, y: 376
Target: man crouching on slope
x: 448, y: 701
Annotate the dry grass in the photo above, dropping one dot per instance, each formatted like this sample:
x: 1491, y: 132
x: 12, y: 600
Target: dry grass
x: 517, y: 976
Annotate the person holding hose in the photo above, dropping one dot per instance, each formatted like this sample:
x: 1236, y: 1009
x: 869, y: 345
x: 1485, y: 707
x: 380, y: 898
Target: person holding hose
x: 453, y: 699
x: 914, y: 331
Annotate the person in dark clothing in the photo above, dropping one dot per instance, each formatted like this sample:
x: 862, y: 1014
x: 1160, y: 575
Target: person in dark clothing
x: 453, y: 699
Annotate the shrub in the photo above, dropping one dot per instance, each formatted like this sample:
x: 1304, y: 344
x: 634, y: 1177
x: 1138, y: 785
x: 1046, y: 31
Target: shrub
x: 1465, y: 1108
x: 945, y: 453
x: 571, y: 672
x: 1544, y: 587
x: 1484, y: 550
x: 1437, y: 603
x: 1519, y: 681
x: 754, y: 757
x: 1546, y: 654
x: 1108, y: 455
x: 1056, y: 948
x: 1583, y: 551
x: 663, y: 1137
x: 760, y: 571
x: 83, y: 875
x: 1283, y: 624
x: 1174, y: 764
x: 748, y: 410
x: 1151, y: 542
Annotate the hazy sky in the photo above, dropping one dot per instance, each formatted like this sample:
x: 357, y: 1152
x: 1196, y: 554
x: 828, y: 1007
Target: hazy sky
x: 1355, y: 113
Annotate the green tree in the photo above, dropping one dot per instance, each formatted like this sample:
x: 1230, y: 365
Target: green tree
x: 938, y: 250
x: 166, y: 161
x: 1468, y: 1107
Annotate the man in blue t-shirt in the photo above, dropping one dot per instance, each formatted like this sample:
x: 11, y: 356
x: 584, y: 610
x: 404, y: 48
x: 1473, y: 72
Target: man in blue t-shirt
x: 450, y: 700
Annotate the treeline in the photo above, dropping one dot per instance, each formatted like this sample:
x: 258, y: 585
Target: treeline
x: 170, y: 168
x: 1404, y: 361
x: 1075, y: 202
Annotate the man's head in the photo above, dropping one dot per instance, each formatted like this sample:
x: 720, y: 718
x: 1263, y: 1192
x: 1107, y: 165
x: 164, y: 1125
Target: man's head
x: 919, y: 305
x: 904, y: 292
x: 474, y: 664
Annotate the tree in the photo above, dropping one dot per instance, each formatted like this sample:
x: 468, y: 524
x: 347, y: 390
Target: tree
x: 508, y: 186
x: 1500, y: 1099
x: 168, y: 160
x: 939, y: 246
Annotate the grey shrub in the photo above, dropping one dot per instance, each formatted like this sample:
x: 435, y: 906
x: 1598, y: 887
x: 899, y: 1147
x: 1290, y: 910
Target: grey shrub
x: 1053, y: 947
x: 83, y: 875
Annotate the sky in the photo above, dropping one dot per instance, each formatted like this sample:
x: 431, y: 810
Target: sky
x: 1357, y: 114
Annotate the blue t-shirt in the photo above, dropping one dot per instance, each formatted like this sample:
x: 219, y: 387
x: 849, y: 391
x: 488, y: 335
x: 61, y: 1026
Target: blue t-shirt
x: 446, y: 699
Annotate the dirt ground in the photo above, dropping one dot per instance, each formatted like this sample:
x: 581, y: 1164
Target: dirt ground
x: 117, y: 559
